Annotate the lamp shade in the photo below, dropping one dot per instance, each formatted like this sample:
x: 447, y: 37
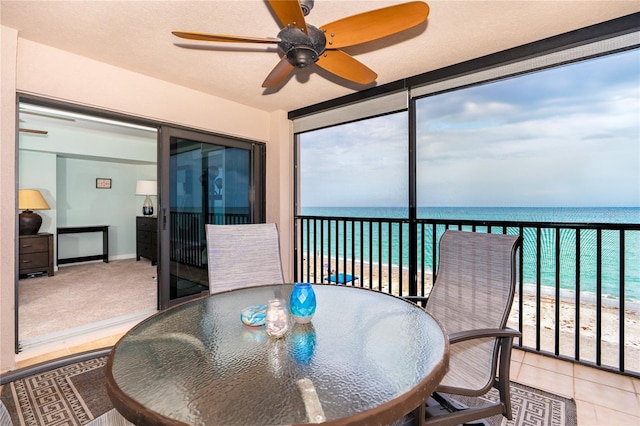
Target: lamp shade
x: 31, y: 199
x: 147, y: 187
x: 28, y: 200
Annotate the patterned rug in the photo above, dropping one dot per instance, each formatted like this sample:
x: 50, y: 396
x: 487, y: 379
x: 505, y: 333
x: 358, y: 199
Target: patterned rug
x: 71, y: 395
x: 74, y: 394
x: 531, y: 407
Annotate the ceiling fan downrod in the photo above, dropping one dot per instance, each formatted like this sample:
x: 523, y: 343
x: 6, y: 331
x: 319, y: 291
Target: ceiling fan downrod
x: 306, y: 6
x: 301, y: 49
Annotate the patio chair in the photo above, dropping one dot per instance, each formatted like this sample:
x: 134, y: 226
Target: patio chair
x: 243, y: 256
x: 5, y: 418
x: 110, y: 418
x: 472, y: 297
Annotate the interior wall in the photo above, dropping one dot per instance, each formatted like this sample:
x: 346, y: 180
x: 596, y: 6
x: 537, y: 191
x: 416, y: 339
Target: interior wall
x: 68, y: 186
x: 40, y: 70
x: 80, y: 203
x: 64, y: 165
x: 38, y: 170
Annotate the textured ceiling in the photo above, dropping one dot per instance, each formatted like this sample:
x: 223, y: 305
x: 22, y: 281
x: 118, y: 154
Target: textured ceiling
x: 136, y: 35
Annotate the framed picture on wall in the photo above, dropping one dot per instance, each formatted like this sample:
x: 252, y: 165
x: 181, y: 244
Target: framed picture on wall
x: 103, y: 183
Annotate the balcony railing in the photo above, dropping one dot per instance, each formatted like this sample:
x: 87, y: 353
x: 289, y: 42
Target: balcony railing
x: 188, y: 238
x: 578, y: 284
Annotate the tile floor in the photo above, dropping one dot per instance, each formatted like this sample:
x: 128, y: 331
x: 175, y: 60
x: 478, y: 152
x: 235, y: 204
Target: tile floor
x: 602, y: 398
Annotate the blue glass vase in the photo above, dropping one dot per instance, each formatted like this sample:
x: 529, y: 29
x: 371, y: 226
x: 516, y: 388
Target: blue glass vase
x: 303, y: 343
x: 302, y: 303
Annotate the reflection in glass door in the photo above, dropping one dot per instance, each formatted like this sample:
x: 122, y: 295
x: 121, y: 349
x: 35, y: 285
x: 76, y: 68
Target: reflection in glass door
x: 210, y: 180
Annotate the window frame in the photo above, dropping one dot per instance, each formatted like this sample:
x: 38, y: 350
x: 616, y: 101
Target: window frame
x: 601, y: 39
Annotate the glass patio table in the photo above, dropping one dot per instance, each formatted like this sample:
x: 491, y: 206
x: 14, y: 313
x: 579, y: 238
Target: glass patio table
x: 366, y: 357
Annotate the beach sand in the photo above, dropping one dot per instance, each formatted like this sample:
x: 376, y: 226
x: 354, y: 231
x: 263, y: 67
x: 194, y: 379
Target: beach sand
x: 609, y: 316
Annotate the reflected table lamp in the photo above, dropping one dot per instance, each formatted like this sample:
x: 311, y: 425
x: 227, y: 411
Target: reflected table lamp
x: 147, y: 188
x: 29, y: 221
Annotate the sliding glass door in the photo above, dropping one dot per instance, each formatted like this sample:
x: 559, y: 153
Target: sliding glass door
x: 206, y: 179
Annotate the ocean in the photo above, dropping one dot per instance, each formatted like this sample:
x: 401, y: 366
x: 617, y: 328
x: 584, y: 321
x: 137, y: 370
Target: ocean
x: 610, y: 269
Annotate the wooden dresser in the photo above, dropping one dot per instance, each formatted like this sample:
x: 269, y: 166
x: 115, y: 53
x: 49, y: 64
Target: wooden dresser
x: 147, y: 238
x: 36, y: 254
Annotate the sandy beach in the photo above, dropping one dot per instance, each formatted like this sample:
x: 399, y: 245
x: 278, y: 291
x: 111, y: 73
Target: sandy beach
x: 609, y: 316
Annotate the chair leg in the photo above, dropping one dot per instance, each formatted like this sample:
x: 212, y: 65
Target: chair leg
x: 471, y: 415
x: 419, y: 415
x: 444, y: 411
x: 504, y: 381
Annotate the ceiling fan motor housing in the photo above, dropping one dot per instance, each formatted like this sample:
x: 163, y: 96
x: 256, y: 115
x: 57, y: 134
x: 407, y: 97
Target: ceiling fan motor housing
x: 301, y: 49
x: 306, y: 6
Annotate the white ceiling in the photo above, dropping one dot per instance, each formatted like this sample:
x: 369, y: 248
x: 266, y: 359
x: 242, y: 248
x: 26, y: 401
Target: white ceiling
x: 136, y: 35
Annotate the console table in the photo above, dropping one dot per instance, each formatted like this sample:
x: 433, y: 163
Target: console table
x: 82, y: 229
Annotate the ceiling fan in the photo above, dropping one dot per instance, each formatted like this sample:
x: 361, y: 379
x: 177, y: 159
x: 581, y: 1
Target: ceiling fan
x: 35, y: 131
x: 303, y: 45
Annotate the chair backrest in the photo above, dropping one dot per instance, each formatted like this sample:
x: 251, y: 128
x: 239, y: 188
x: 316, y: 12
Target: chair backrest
x: 243, y: 256
x: 474, y: 289
x: 5, y: 418
x: 110, y: 418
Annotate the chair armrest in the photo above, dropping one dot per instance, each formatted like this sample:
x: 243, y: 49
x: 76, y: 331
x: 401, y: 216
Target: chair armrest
x: 422, y: 300
x: 483, y: 332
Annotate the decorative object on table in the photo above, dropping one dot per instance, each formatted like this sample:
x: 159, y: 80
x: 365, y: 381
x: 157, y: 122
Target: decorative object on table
x: 302, y: 303
x: 303, y: 343
x: 254, y: 316
x: 29, y: 200
x: 103, y: 183
x: 217, y: 190
x: 254, y: 334
x: 147, y: 188
x: 277, y: 319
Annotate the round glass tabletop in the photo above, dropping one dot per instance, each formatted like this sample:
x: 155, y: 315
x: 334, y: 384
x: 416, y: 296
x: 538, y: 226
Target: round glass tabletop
x: 364, y: 355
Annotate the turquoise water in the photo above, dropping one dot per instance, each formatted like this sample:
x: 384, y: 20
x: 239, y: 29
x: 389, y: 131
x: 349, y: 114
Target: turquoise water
x: 567, y: 278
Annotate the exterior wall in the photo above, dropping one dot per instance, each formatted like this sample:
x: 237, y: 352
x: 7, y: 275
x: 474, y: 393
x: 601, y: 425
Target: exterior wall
x: 280, y: 186
x: 8, y: 203
x: 36, y: 69
x: 61, y: 75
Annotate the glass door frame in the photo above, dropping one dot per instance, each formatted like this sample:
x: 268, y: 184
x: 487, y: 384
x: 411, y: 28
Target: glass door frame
x: 257, y: 195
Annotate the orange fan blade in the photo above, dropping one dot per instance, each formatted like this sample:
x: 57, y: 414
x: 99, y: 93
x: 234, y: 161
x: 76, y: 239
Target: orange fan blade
x: 38, y: 132
x: 278, y: 73
x: 375, y: 24
x: 223, y: 37
x: 289, y: 13
x: 345, y: 66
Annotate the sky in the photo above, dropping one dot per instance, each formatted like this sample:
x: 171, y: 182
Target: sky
x: 568, y: 136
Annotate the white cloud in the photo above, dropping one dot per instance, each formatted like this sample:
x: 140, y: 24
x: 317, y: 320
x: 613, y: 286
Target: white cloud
x: 563, y: 137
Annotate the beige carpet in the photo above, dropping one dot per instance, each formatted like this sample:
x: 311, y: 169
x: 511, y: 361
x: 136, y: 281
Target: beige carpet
x: 82, y: 294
